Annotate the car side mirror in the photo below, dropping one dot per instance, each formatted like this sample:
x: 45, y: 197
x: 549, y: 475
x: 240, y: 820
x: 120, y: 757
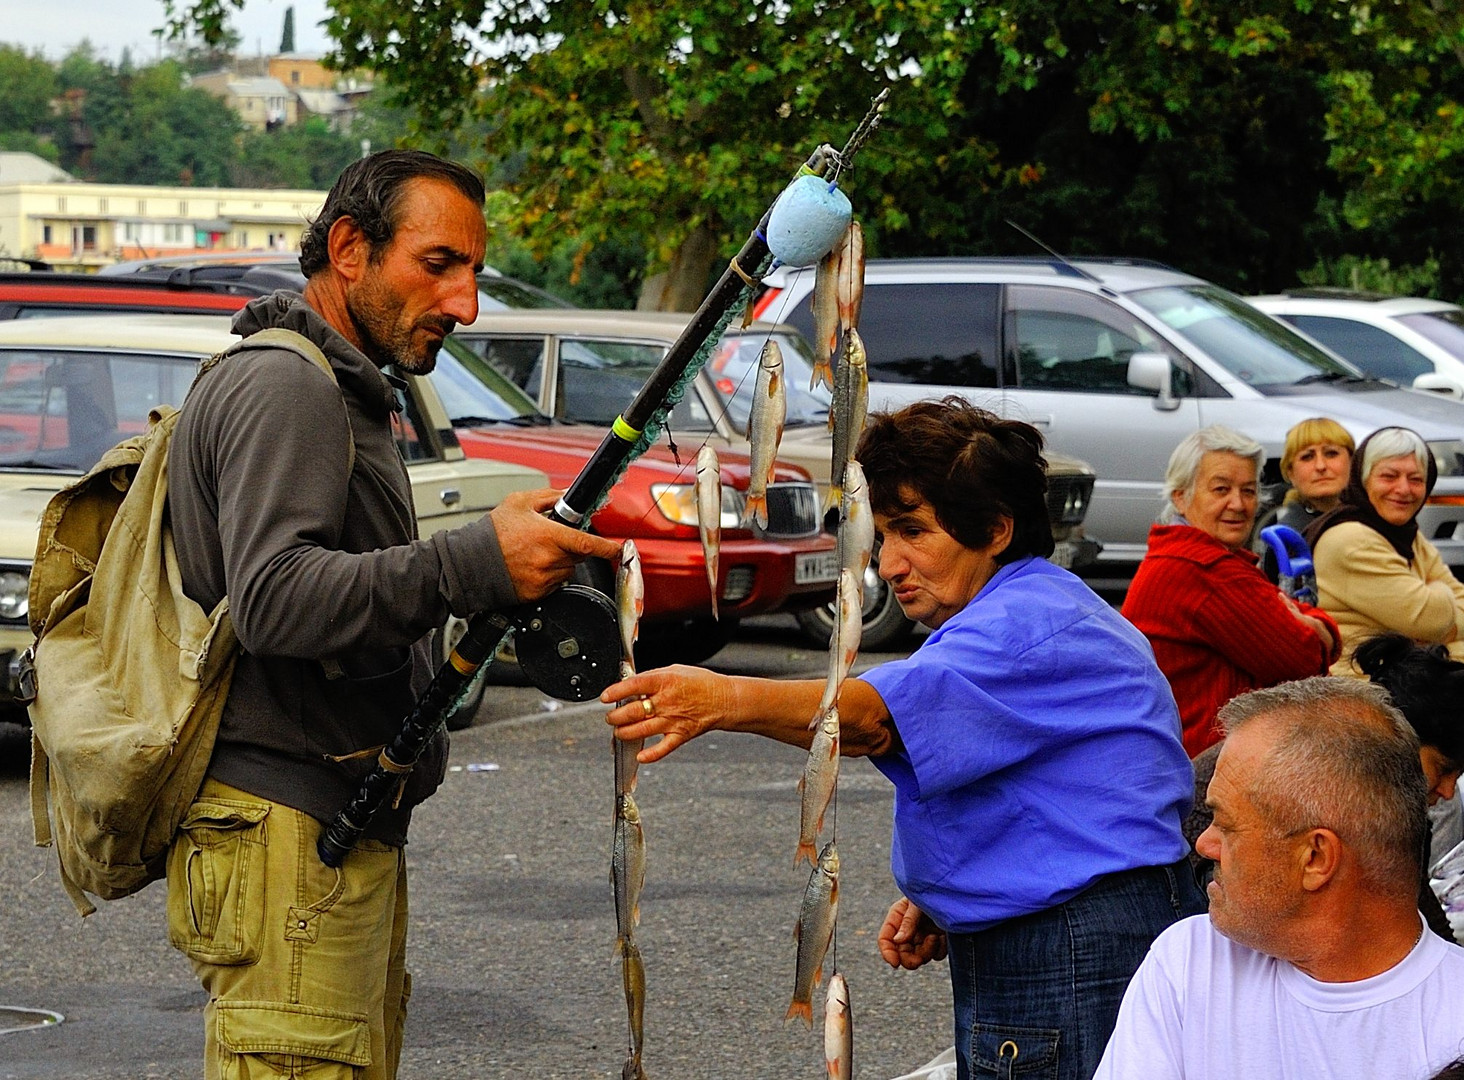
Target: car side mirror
x: 1435, y: 383
x: 1153, y: 371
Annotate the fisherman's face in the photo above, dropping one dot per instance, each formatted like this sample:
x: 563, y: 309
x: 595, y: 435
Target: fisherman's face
x: 933, y: 574
x: 422, y: 284
x: 1256, y: 888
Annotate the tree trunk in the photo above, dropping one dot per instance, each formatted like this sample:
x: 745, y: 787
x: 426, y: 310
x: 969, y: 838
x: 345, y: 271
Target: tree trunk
x: 684, y: 285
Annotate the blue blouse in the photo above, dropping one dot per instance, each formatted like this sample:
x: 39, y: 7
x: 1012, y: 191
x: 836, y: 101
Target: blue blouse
x: 1040, y: 751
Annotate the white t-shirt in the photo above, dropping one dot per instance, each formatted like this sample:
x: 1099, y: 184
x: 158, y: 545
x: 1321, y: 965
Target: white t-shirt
x: 1202, y: 1007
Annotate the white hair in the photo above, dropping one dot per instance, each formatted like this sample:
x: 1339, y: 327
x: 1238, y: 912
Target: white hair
x: 1184, y: 463
x: 1392, y: 442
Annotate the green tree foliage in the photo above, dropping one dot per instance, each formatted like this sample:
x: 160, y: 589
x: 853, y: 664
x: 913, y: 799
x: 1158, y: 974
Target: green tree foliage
x: 287, y: 36
x: 307, y: 155
x: 1245, y: 140
x: 27, y: 84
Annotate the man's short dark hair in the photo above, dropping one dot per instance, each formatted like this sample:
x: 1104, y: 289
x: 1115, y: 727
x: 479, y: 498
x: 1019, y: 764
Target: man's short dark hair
x: 369, y: 192
x: 971, y: 466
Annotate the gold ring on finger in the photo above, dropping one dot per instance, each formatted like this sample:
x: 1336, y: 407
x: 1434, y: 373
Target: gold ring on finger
x: 647, y: 707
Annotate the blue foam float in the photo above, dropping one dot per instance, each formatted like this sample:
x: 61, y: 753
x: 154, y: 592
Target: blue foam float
x: 807, y: 221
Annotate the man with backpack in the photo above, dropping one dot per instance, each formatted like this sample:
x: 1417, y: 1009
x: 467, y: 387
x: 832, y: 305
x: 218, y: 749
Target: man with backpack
x: 288, y: 496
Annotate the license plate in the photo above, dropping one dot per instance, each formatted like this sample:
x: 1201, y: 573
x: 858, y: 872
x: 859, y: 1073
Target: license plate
x: 816, y: 568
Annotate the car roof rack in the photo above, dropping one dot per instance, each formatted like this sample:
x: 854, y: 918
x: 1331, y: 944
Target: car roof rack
x: 1336, y: 292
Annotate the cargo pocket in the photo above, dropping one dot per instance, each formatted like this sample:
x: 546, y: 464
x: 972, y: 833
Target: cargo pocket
x: 216, y: 886
x: 292, y: 1040
x: 1004, y: 1051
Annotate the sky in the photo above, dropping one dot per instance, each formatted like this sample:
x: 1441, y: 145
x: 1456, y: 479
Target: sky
x: 55, y: 27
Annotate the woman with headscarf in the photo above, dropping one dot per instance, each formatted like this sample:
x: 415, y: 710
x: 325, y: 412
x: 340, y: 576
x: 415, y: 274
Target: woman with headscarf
x: 1375, y: 570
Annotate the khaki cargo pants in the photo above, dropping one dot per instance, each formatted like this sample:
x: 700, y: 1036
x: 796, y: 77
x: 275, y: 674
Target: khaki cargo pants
x: 305, y: 966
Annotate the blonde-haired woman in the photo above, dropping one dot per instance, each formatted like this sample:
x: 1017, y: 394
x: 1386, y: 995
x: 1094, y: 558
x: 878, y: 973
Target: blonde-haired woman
x: 1315, y: 462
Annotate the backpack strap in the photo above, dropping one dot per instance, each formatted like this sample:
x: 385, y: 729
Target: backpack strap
x: 278, y: 337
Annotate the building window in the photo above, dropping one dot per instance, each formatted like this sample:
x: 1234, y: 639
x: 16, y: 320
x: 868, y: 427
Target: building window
x: 141, y: 206
x: 101, y: 206
x: 61, y: 204
x: 295, y: 77
x: 45, y: 234
x: 182, y: 207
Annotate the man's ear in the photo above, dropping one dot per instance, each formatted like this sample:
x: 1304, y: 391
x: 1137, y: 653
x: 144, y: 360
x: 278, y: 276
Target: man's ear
x: 1320, y: 856
x: 348, y: 248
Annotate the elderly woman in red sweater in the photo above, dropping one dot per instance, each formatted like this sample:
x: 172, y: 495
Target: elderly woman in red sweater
x: 1218, y: 627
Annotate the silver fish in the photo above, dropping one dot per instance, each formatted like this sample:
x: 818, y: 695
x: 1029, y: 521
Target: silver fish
x: 825, y: 319
x: 850, y: 251
x: 633, y: 975
x: 844, y: 644
x: 838, y: 1030
x: 816, y: 785
x: 709, y: 514
x: 814, y: 931
x: 765, y: 429
x: 847, y: 413
x: 627, y: 867
x: 630, y: 601
x: 856, y: 524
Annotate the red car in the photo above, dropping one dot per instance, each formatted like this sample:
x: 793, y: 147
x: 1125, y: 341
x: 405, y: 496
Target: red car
x: 789, y: 566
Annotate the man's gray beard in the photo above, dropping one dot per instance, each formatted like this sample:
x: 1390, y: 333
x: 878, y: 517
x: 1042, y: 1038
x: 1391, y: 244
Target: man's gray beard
x: 381, y: 353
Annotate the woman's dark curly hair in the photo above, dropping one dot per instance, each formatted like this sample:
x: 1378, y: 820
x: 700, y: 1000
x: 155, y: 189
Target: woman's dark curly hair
x: 971, y: 466
x: 369, y: 192
x: 1425, y: 684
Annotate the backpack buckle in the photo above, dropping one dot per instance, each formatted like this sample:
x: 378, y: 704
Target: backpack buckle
x: 25, y: 675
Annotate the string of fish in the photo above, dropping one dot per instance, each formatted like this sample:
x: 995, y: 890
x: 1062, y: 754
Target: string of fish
x: 628, y: 843
x: 838, y: 292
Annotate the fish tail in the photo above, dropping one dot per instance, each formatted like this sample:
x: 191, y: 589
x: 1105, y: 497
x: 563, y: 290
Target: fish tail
x: 823, y: 372
x: 757, y: 509
x: 801, y: 1009
x: 806, y: 850
x: 834, y: 498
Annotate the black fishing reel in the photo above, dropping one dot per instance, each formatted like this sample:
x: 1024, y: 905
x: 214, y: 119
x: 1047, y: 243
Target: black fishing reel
x: 568, y: 643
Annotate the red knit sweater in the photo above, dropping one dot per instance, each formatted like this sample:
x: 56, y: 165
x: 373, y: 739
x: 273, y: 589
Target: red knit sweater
x: 1218, y: 627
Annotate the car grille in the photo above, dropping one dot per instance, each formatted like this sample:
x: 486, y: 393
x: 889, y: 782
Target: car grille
x: 792, y: 510
x: 1068, y: 498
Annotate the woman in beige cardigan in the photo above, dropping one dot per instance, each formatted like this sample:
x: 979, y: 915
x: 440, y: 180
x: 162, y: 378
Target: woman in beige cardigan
x: 1375, y: 570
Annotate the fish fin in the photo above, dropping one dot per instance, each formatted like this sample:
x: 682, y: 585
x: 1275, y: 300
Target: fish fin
x: 834, y: 498
x: 715, y: 615
x: 801, y: 1009
x: 823, y: 372
x: 757, y: 510
x: 809, y: 852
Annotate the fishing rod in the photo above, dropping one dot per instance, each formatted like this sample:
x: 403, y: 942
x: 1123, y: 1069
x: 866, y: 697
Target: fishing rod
x: 567, y: 643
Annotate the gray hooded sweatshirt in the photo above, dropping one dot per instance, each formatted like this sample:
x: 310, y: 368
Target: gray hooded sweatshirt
x: 317, y: 566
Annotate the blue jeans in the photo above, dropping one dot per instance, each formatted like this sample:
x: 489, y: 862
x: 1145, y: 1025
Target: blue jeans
x: 1036, y: 997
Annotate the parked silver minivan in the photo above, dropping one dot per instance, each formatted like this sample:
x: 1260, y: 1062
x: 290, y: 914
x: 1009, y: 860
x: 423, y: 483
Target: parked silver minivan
x: 1116, y: 361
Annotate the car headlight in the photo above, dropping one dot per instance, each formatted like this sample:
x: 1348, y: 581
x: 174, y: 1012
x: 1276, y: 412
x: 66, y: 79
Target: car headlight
x: 1449, y: 453
x: 14, y: 595
x: 677, y: 502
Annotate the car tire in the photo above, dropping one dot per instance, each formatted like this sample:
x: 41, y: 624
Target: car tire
x: 443, y: 640
x: 686, y: 641
x: 885, y: 625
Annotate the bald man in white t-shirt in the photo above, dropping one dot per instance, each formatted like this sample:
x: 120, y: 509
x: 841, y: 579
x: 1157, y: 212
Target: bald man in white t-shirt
x: 1313, y: 962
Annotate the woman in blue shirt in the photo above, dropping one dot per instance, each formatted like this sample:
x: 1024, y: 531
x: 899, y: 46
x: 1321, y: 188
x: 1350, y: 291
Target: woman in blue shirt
x: 1033, y: 743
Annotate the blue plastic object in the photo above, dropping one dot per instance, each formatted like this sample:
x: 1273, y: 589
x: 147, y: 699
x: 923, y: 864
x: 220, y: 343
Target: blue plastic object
x: 807, y: 221
x: 1298, y: 578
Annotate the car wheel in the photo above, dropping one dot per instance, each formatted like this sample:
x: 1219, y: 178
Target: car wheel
x: 687, y: 641
x: 885, y: 625
x: 443, y: 641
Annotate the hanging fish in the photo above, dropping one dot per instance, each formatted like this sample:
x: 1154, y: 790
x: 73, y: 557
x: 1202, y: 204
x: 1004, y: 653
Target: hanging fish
x: 816, y: 785
x: 765, y: 429
x: 627, y: 867
x: 825, y: 319
x: 633, y: 975
x: 856, y: 525
x: 709, y: 514
x: 838, y: 1030
x: 630, y: 602
x: 814, y: 931
x: 844, y: 644
x: 847, y: 413
x: 850, y: 253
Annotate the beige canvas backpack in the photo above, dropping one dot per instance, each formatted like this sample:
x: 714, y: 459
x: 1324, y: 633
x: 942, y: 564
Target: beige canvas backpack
x: 130, y: 675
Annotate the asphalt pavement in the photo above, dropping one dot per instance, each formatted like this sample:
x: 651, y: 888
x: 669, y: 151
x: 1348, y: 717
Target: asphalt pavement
x: 512, y: 935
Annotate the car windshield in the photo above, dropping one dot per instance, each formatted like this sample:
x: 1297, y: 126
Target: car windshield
x: 502, y: 294
x: 733, y: 368
x: 1444, y: 328
x: 62, y: 409
x: 1252, y: 346
x: 474, y: 393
